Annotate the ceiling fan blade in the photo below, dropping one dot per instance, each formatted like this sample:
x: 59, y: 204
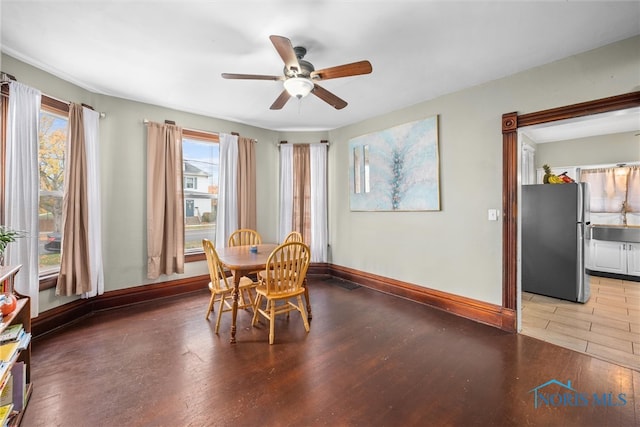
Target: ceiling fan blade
x: 280, y: 101
x: 250, y: 77
x: 346, y: 70
x: 285, y: 50
x: 329, y: 98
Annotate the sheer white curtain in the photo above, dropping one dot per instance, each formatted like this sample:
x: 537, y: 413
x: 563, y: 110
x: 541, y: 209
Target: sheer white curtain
x: 227, y: 216
x: 633, y: 196
x: 286, y: 192
x: 528, y: 169
x: 633, y: 189
x: 22, y: 185
x: 608, y: 188
x: 319, y: 230
x: 91, y: 128
x: 318, y: 189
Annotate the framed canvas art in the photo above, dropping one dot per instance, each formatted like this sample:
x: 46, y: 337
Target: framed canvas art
x: 396, y: 169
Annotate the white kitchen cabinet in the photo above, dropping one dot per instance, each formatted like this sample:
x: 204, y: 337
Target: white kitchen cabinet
x: 610, y: 257
x: 614, y: 257
x: 633, y: 259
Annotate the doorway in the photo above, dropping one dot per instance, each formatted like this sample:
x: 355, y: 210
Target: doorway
x: 511, y: 123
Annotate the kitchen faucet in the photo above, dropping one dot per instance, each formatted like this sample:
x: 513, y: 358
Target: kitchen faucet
x: 623, y: 213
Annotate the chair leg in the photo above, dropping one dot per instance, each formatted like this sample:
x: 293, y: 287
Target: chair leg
x: 256, y: 308
x: 220, y: 309
x: 306, y: 297
x: 241, y: 300
x: 303, y: 314
x: 250, y: 299
x: 272, y: 321
x: 210, y: 308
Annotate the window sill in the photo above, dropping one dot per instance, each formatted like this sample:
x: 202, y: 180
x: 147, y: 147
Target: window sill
x: 200, y: 256
x: 50, y: 280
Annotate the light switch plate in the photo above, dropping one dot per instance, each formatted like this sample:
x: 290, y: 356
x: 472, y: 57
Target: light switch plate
x: 493, y: 214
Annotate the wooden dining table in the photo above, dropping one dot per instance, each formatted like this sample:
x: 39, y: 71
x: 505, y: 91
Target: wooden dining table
x: 241, y: 261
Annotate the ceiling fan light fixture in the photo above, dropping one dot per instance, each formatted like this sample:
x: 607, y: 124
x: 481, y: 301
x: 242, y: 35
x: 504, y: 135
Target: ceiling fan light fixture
x: 298, y: 86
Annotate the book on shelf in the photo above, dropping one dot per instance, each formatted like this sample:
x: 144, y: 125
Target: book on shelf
x: 4, y: 370
x: 5, y: 411
x: 5, y: 379
x: 9, y: 350
x: 6, y: 394
x: 12, y: 333
x: 24, y: 341
x: 19, y: 386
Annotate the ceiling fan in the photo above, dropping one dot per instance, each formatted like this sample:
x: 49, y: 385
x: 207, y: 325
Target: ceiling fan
x: 300, y: 76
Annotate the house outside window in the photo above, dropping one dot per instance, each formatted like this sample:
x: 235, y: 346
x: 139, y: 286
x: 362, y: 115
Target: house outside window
x: 200, y: 153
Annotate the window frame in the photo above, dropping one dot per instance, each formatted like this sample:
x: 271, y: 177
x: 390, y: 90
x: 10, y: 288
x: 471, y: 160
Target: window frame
x: 212, y: 137
x: 54, y: 106
x: 190, y: 182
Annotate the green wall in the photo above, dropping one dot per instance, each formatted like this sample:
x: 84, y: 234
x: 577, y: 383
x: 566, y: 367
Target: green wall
x: 458, y: 250
x: 616, y: 148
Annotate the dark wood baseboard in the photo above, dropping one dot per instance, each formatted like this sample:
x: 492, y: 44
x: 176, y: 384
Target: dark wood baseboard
x: 67, y: 313
x: 469, y: 308
x: 478, y: 311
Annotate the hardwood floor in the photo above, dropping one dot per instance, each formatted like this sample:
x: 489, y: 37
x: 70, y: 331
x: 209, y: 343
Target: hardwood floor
x: 607, y: 326
x: 370, y: 359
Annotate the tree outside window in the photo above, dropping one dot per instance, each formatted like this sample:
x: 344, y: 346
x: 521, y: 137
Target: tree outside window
x: 52, y: 136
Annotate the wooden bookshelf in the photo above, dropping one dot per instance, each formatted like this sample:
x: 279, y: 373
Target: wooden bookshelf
x: 21, y: 314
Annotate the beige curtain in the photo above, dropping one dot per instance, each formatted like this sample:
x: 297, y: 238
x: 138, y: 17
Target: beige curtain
x: 247, y: 184
x: 302, y: 191
x: 165, y: 211
x: 74, y: 277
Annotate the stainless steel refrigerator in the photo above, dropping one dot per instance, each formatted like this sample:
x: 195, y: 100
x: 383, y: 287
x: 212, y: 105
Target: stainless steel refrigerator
x: 554, y: 221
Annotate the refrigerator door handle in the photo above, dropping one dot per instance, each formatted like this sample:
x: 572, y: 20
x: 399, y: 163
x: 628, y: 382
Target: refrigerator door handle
x: 582, y: 283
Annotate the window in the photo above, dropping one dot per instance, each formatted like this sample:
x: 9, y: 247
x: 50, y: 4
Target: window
x: 52, y: 136
x: 614, y: 194
x: 190, y: 182
x: 201, y: 159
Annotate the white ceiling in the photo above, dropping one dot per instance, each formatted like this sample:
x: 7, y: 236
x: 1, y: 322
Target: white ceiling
x: 172, y: 53
x: 627, y: 120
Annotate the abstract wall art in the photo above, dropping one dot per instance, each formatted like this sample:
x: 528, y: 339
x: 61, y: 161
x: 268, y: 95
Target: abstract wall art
x: 396, y: 169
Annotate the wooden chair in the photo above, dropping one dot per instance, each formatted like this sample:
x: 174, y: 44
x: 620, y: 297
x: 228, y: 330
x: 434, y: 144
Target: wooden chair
x: 281, y: 282
x: 221, y: 286
x: 244, y: 237
x: 295, y: 236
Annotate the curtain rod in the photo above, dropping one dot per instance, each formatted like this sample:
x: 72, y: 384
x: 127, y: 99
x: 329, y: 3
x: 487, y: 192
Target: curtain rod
x: 102, y: 115
x: 147, y: 121
x: 171, y: 122
x: 8, y: 78
x: 322, y: 141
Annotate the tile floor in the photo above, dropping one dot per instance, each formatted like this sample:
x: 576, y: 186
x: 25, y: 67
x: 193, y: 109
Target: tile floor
x: 606, y: 327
